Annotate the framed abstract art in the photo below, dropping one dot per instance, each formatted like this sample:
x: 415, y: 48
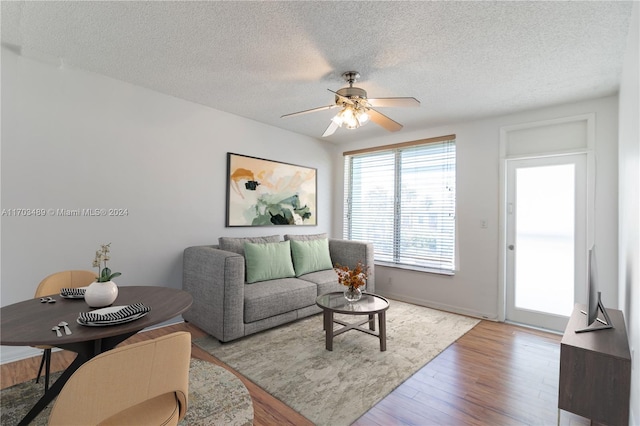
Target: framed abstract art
x: 267, y: 193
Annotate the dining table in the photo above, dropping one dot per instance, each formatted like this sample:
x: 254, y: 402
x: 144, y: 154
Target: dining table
x: 32, y: 323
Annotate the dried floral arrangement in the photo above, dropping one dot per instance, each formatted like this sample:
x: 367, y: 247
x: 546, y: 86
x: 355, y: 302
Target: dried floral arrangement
x: 352, y: 278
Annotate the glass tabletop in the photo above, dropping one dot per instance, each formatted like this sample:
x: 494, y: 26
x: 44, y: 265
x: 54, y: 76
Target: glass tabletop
x: 368, y: 304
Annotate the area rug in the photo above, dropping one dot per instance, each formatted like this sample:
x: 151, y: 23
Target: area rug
x: 216, y: 397
x: 335, y: 388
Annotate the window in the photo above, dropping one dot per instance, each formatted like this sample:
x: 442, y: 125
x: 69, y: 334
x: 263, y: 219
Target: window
x: 402, y: 198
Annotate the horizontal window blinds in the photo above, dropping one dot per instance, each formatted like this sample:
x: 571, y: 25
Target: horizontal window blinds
x: 403, y: 200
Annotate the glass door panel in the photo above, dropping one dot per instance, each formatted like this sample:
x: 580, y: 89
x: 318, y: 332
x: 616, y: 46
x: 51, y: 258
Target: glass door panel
x: 545, y: 228
x: 546, y: 239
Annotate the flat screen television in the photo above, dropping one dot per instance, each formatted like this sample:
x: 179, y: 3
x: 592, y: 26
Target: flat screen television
x: 594, y: 302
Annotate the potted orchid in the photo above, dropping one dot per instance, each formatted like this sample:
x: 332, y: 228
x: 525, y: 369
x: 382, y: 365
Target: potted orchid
x: 102, y: 255
x: 103, y: 292
x: 353, y: 279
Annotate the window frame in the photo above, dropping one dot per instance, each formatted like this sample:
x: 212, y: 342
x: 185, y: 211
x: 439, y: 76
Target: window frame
x: 396, y: 150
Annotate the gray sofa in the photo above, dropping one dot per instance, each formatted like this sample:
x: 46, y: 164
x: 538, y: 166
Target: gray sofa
x: 227, y: 307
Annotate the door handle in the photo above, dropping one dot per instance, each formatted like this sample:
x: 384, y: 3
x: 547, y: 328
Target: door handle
x: 510, y: 247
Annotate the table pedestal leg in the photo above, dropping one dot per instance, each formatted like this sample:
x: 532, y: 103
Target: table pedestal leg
x: 47, y: 368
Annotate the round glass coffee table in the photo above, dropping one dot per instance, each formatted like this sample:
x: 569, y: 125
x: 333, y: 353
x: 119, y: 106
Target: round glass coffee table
x: 369, y: 305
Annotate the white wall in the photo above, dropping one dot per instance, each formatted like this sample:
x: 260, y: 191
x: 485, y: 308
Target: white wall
x: 72, y: 139
x: 629, y: 210
x: 474, y: 288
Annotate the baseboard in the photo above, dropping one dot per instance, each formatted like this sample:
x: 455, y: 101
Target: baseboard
x: 441, y: 306
x: 17, y: 353
x: 172, y: 321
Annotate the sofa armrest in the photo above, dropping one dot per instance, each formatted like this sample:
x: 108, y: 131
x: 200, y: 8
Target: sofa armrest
x: 349, y: 253
x: 215, y: 280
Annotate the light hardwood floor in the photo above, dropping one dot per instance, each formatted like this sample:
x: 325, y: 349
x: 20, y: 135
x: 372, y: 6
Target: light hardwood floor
x: 497, y: 374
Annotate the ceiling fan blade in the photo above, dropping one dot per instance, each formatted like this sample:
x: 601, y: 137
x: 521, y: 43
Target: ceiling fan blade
x: 342, y: 98
x: 331, y: 129
x: 384, y: 121
x: 393, y: 102
x: 309, y: 110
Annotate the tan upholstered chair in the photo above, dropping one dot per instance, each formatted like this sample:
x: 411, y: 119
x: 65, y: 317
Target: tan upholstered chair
x: 49, y: 286
x: 65, y: 279
x: 145, y: 383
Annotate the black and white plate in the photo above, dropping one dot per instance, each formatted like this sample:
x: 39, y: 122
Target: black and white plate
x: 111, y: 310
x: 74, y: 295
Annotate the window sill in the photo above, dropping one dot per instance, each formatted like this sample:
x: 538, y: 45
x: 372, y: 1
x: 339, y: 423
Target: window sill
x: 415, y: 268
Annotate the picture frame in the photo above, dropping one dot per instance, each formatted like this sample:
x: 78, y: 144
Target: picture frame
x: 263, y: 192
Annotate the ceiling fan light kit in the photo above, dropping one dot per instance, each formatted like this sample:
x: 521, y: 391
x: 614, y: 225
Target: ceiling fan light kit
x: 357, y: 109
x: 351, y: 117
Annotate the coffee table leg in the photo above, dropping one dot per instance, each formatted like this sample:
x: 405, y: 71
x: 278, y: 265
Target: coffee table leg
x: 372, y: 322
x: 328, y: 329
x: 382, y: 325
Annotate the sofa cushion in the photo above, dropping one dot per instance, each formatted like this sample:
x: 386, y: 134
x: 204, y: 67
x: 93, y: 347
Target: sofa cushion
x: 268, y: 261
x: 326, y: 281
x: 268, y: 298
x: 310, y: 256
x: 236, y: 245
x: 305, y: 237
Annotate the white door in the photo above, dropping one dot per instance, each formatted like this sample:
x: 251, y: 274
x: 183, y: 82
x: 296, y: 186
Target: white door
x: 546, y: 207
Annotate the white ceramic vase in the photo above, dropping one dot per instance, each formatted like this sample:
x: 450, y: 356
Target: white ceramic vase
x: 99, y: 295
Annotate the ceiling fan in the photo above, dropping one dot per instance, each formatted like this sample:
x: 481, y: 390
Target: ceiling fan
x: 357, y: 109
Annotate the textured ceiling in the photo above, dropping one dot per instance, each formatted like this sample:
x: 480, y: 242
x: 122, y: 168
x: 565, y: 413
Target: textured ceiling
x: 260, y: 60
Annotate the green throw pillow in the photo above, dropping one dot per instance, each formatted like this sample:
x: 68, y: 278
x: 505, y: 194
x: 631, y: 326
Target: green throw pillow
x: 310, y: 256
x: 268, y: 261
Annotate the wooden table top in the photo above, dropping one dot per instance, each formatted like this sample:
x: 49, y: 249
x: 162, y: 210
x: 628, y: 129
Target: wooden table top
x: 29, y: 323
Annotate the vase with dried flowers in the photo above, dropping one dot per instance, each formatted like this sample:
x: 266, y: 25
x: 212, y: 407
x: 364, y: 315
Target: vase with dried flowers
x: 103, y: 292
x: 353, y: 279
